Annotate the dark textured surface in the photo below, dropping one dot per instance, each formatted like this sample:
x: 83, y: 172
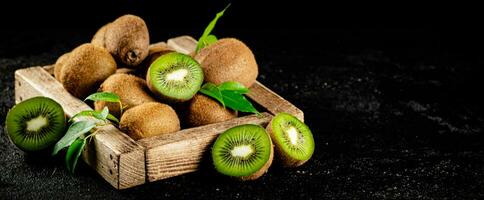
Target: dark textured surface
x: 396, y: 113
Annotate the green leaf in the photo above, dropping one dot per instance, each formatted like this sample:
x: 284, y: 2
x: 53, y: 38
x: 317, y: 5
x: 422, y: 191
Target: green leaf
x: 212, y: 90
x: 94, y: 113
x: 204, y: 40
x: 210, y: 39
x: 104, y: 113
x: 73, y: 153
x: 103, y: 96
x: 75, y: 130
x: 233, y: 86
x: 237, y: 101
x: 112, y: 118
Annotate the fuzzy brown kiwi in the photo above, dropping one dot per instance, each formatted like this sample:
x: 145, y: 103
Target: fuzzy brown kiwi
x: 98, y: 38
x: 203, y: 110
x: 228, y: 59
x: 59, y: 64
x: 131, y: 90
x: 149, y: 119
x: 85, y: 68
x: 126, y: 38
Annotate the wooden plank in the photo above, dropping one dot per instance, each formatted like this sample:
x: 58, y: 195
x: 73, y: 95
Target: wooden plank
x: 114, y: 155
x: 183, y: 44
x: 258, y: 92
x: 272, y: 101
x: 181, y: 152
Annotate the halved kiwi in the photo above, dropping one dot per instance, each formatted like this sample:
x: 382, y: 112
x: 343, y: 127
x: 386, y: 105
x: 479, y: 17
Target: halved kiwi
x: 244, y: 152
x: 293, y: 140
x: 175, y: 77
x: 36, y: 124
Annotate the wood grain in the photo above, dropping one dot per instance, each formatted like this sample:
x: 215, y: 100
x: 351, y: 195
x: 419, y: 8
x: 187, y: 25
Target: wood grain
x: 183, y: 44
x: 181, y: 152
x: 115, y: 156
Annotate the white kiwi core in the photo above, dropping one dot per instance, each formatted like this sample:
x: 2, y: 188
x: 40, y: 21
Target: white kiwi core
x: 177, y: 75
x: 292, y: 134
x: 242, y: 151
x: 37, y: 123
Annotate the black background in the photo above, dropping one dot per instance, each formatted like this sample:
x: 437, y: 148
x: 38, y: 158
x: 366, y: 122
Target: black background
x: 391, y: 92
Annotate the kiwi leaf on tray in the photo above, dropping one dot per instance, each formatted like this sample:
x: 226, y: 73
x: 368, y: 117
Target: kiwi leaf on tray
x: 73, y: 153
x: 79, y: 131
x: 230, y: 94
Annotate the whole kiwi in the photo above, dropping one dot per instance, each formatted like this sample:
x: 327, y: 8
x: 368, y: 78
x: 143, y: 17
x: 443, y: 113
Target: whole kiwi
x: 131, y: 90
x: 84, y: 69
x: 126, y: 38
x: 149, y: 119
x: 98, y: 38
x: 203, y: 110
x: 59, y: 64
x: 228, y: 59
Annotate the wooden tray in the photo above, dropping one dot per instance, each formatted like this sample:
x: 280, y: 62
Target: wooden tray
x: 124, y: 162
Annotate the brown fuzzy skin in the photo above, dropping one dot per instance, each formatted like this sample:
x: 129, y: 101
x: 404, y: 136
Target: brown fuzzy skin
x: 98, y: 38
x: 86, y: 67
x: 285, y: 159
x: 203, y: 110
x: 127, y: 39
x: 228, y: 59
x: 131, y: 90
x: 263, y: 169
x: 149, y: 119
x: 59, y: 64
x: 157, y: 51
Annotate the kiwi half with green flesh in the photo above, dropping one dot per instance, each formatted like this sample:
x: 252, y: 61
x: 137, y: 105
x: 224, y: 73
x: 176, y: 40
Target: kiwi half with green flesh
x: 36, y: 124
x: 228, y: 59
x: 293, y: 140
x: 126, y: 38
x: 174, y: 77
x: 85, y: 68
x: 203, y: 110
x: 131, y: 90
x: 244, y: 152
x: 149, y: 119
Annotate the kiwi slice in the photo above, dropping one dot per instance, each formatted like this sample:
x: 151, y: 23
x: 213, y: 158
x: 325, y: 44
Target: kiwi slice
x: 293, y: 140
x: 244, y: 152
x: 36, y: 124
x: 175, y: 77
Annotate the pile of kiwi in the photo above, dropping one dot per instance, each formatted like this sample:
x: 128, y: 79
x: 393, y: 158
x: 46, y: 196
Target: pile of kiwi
x: 158, y: 89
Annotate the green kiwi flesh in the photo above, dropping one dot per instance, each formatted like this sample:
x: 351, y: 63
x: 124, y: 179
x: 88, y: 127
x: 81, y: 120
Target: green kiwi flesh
x: 244, y: 152
x: 36, y: 124
x: 293, y: 139
x: 175, y: 77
